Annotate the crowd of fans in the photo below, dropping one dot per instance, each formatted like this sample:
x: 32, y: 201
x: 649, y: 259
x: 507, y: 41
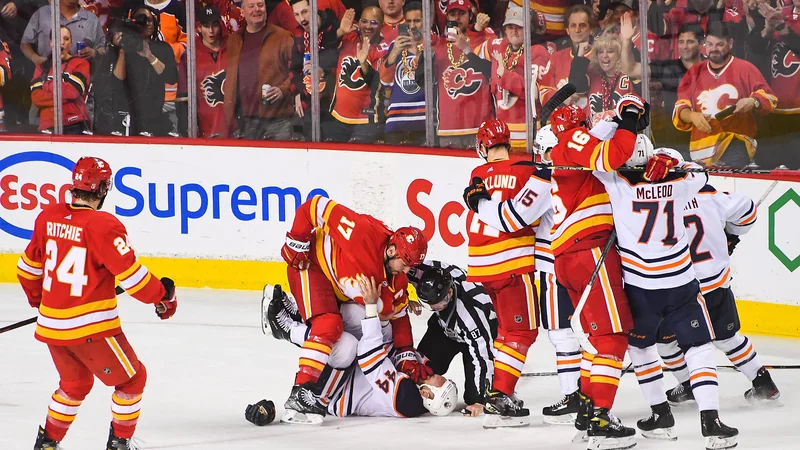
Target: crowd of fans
x: 724, y: 74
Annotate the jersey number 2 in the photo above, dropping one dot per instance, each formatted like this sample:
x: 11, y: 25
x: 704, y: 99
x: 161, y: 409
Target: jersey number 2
x: 71, y: 270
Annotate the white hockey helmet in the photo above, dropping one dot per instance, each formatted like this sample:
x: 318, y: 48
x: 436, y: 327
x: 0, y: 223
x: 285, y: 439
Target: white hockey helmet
x: 545, y: 140
x: 642, y: 152
x: 444, y: 398
x: 670, y: 152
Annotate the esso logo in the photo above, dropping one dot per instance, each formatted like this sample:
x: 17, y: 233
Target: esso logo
x: 27, y: 185
x: 450, y: 220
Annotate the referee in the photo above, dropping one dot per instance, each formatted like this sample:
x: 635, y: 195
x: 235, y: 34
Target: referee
x: 463, y: 321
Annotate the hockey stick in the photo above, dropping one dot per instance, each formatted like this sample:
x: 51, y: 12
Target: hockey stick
x: 764, y: 197
x: 718, y: 170
x: 777, y: 367
x: 575, y: 322
x: 556, y: 100
x: 628, y: 369
x: 552, y: 374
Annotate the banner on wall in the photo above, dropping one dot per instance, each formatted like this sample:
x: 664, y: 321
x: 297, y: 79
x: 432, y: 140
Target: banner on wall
x: 212, y: 202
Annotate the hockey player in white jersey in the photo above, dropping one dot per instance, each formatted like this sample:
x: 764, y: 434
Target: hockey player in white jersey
x: 714, y: 221
x: 532, y: 206
x: 661, y: 286
x: 371, y: 385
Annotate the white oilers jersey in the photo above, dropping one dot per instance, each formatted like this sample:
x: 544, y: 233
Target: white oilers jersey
x: 532, y: 206
x: 648, y: 217
x: 706, y: 218
x: 370, y: 386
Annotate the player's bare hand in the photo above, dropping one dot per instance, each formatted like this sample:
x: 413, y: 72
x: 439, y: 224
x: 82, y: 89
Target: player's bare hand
x: 474, y: 410
x: 482, y: 22
x: 745, y: 105
x: 369, y: 290
x: 415, y: 308
x: 700, y: 121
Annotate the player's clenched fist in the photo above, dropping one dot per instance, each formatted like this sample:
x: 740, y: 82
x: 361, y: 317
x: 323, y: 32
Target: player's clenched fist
x: 295, y: 251
x: 262, y: 413
x: 658, y: 167
x: 474, y: 193
x: 166, y: 308
x: 406, y: 361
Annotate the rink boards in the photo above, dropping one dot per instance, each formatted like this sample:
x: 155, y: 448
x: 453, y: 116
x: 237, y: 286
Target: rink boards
x: 215, y: 215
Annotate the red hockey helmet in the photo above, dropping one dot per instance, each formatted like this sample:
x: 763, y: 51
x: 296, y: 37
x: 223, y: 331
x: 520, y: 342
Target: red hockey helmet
x: 565, y: 118
x: 90, y: 174
x: 411, y: 245
x: 492, y: 132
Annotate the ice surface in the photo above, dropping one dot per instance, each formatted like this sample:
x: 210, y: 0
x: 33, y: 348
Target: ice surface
x: 210, y: 360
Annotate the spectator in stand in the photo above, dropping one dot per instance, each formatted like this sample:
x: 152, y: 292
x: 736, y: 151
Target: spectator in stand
x: 283, y: 15
x: 703, y: 12
x: 553, y: 12
x: 711, y: 86
x: 232, y: 17
x: 84, y: 26
x: 74, y: 83
x: 392, y: 17
x: 776, y: 33
x: 405, y: 119
x: 211, y: 61
x: 357, y: 102
x: 464, y: 94
x: 580, y: 23
x: 604, y: 82
x: 111, y: 110
x: 626, y: 12
x: 14, y: 17
x: 5, y: 75
x: 258, y: 101
x: 330, y: 32
x: 149, y: 68
x: 508, y: 74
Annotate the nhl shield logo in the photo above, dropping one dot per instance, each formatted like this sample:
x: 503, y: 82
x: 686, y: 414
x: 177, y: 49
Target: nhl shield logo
x: 695, y: 324
x: 730, y: 326
x: 106, y: 370
x: 594, y: 326
x: 518, y: 319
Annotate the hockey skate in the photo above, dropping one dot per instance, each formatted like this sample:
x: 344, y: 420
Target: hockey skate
x: 763, y: 388
x: 717, y: 434
x: 278, y: 312
x: 582, y: 418
x: 680, y: 394
x: 659, y: 424
x: 606, y: 432
x: 564, y: 411
x: 504, y: 411
x: 43, y: 442
x: 118, y: 443
x: 302, y: 407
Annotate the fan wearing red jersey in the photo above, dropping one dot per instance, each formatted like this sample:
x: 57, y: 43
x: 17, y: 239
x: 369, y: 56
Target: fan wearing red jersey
x: 582, y: 225
x: 504, y: 264
x: 67, y: 272
x: 329, y: 249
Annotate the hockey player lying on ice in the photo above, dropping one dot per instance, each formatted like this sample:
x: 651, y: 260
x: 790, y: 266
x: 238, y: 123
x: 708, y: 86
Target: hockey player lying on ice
x: 371, y: 385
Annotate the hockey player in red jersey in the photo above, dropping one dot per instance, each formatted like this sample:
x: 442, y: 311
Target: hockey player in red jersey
x: 504, y: 264
x: 329, y: 249
x: 582, y: 225
x: 67, y: 272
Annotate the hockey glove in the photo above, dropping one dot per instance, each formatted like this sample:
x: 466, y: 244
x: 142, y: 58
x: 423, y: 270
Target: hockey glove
x: 632, y: 113
x: 631, y: 103
x: 169, y: 304
x: 474, y: 193
x: 733, y: 241
x: 262, y: 413
x: 295, y: 251
x: 658, y: 167
x: 407, y: 362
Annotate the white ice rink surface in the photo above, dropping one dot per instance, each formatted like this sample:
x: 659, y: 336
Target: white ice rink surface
x: 210, y: 360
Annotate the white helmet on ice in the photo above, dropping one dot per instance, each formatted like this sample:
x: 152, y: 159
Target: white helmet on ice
x: 642, y: 152
x: 670, y: 152
x: 545, y: 140
x: 444, y: 399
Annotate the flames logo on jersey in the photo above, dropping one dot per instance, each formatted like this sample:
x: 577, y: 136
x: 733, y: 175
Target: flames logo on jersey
x: 784, y: 62
x: 461, y: 81
x: 348, y: 77
x: 212, y: 88
x: 596, y: 102
x: 715, y: 100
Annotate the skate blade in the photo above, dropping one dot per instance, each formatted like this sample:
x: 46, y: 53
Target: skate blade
x: 681, y: 404
x: 719, y: 442
x: 266, y: 298
x: 580, y: 437
x: 564, y: 419
x: 611, y: 443
x: 298, y: 418
x: 773, y: 401
x: 664, y: 434
x: 498, y: 421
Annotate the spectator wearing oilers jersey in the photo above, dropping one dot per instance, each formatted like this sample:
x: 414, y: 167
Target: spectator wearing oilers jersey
x: 284, y: 16
x: 464, y: 95
x: 258, y: 104
x: 357, y: 106
x: 722, y: 81
x: 75, y: 82
x: 68, y: 272
x: 212, y: 60
x: 776, y: 36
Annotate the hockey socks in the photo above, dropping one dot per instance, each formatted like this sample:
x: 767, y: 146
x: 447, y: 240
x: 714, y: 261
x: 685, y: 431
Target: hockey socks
x: 740, y: 352
x: 647, y: 365
x: 510, y: 360
x: 703, y: 376
x: 674, y: 359
x: 568, y: 359
x: 606, y: 368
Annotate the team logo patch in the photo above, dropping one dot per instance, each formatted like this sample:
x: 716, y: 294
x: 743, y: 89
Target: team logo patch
x: 518, y: 319
x: 695, y: 324
x: 461, y: 81
x: 212, y: 88
x: 348, y: 77
x: 784, y: 62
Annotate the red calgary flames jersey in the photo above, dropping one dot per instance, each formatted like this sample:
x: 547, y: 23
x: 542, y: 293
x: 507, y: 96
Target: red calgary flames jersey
x: 553, y: 12
x: 604, y: 92
x: 556, y: 75
x: 494, y: 255
x: 582, y: 208
x: 68, y: 271
x: 74, y: 88
x: 709, y: 92
x: 210, y: 72
x: 785, y: 67
x: 355, y: 100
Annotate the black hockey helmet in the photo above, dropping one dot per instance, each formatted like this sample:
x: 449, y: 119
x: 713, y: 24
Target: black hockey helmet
x: 434, y: 286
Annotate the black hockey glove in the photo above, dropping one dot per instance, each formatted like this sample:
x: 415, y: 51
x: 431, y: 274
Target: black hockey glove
x: 474, y: 193
x: 262, y: 413
x: 733, y: 241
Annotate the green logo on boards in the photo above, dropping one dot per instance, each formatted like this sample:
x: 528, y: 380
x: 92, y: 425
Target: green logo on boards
x: 785, y: 202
